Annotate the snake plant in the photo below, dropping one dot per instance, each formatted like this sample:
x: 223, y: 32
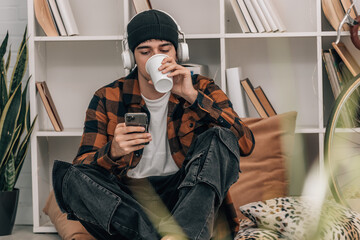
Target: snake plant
x: 15, y: 126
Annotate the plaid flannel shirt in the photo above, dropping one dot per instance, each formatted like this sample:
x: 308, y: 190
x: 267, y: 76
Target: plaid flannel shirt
x: 184, y: 122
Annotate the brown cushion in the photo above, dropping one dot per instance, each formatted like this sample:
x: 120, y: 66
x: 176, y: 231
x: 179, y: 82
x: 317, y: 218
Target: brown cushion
x: 264, y: 172
x: 67, y: 229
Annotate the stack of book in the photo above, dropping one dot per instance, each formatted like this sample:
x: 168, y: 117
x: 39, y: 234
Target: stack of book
x: 342, y: 66
x: 256, y: 95
x: 258, y: 99
x: 257, y: 16
x: 55, y: 17
x: 334, y: 11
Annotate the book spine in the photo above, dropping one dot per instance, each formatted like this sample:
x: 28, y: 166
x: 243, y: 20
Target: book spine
x: 45, y: 101
x: 335, y: 88
x: 261, y: 15
x: 239, y: 16
x: 254, y: 16
x: 141, y: 5
x: 249, y: 89
x: 280, y: 25
x: 265, y: 101
x: 247, y: 16
x: 268, y: 16
x: 68, y: 17
x: 235, y: 92
x: 57, y: 17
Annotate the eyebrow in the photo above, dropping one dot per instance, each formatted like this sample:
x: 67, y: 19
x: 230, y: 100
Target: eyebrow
x: 146, y: 46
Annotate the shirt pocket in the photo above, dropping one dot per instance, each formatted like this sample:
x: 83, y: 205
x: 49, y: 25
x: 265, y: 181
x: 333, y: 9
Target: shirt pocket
x: 187, y: 127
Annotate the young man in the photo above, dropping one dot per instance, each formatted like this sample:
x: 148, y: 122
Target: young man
x: 165, y: 184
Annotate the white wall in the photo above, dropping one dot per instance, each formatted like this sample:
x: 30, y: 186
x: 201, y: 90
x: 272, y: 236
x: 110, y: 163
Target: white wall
x: 13, y: 18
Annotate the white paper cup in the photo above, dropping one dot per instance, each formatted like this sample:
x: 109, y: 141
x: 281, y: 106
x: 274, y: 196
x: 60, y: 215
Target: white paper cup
x: 162, y: 83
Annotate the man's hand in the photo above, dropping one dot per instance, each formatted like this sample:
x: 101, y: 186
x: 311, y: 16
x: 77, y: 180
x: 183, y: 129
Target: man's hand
x: 128, y: 139
x: 181, y: 77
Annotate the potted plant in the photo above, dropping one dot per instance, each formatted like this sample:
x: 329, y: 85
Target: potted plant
x: 15, y: 130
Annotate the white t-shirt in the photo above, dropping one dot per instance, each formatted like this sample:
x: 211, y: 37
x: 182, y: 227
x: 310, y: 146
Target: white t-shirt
x: 156, y: 159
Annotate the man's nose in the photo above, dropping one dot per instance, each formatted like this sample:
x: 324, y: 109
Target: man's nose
x: 156, y: 51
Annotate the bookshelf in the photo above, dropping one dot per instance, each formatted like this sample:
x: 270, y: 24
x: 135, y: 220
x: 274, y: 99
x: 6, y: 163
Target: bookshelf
x: 287, y: 65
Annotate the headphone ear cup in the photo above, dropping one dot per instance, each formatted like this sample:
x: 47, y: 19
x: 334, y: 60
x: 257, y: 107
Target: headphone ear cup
x: 128, y: 59
x: 183, y: 52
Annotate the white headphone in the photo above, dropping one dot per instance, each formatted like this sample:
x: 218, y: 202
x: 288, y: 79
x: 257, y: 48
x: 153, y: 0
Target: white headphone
x: 128, y: 56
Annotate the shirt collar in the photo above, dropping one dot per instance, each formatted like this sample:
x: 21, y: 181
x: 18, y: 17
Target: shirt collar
x: 131, y: 93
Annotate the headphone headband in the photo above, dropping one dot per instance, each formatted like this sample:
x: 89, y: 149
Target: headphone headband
x: 128, y: 56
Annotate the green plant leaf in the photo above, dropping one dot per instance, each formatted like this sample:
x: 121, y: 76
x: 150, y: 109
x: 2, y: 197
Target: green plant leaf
x: 20, y: 65
x: 3, y: 78
x: 22, y: 116
x: 9, y: 156
x: 10, y: 174
x: 3, y: 89
x: 4, y: 46
x: 23, y: 109
x: 8, y: 121
x: 7, y: 64
x: 21, y: 154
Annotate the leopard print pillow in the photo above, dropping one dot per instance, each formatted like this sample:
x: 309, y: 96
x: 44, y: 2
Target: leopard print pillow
x: 249, y: 231
x: 296, y: 218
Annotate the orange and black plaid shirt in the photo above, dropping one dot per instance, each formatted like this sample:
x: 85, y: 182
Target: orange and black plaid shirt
x: 184, y: 122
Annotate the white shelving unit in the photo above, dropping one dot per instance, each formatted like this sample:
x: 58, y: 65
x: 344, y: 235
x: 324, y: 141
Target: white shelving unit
x: 287, y: 65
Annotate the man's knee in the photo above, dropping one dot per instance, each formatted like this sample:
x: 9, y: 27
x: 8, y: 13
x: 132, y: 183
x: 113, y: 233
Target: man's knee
x: 214, y: 160
x: 82, y: 190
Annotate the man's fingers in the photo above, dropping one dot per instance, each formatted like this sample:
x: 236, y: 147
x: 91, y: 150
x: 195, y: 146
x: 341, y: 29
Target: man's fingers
x: 132, y: 136
x: 122, y: 128
x: 138, y: 141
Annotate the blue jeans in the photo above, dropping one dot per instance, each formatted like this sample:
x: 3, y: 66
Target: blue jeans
x: 185, y: 203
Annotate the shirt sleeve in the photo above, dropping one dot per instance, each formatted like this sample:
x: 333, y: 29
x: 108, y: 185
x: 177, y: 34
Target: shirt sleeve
x: 95, y: 144
x: 214, y: 106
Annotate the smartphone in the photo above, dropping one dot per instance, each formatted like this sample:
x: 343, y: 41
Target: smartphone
x: 137, y: 119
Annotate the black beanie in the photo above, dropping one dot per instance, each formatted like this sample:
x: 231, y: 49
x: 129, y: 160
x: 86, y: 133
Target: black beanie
x: 151, y: 24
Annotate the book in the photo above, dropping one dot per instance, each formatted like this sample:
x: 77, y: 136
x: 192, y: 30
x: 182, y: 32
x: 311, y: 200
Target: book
x: 235, y: 92
x: 261, y: 15
x: 49, y: 106
x: 141, y: 5
x: 330, y: 13
x: 57, y: 18
x: 247, y: 16
x: 197, y: 68
x: 278, y: 21
x: 264, y: 101
x: 348, y: 59
x: 67, y: 17
x: 239, y: 16
x: 342, y: 70
x: 340, y: 13
x: 335, y: 85
x: 331, y: 72
x: 267, y: 15
x: 249, y: 89
x: 254, y: 16
x: 44, y: 18
x: 346, y: 4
